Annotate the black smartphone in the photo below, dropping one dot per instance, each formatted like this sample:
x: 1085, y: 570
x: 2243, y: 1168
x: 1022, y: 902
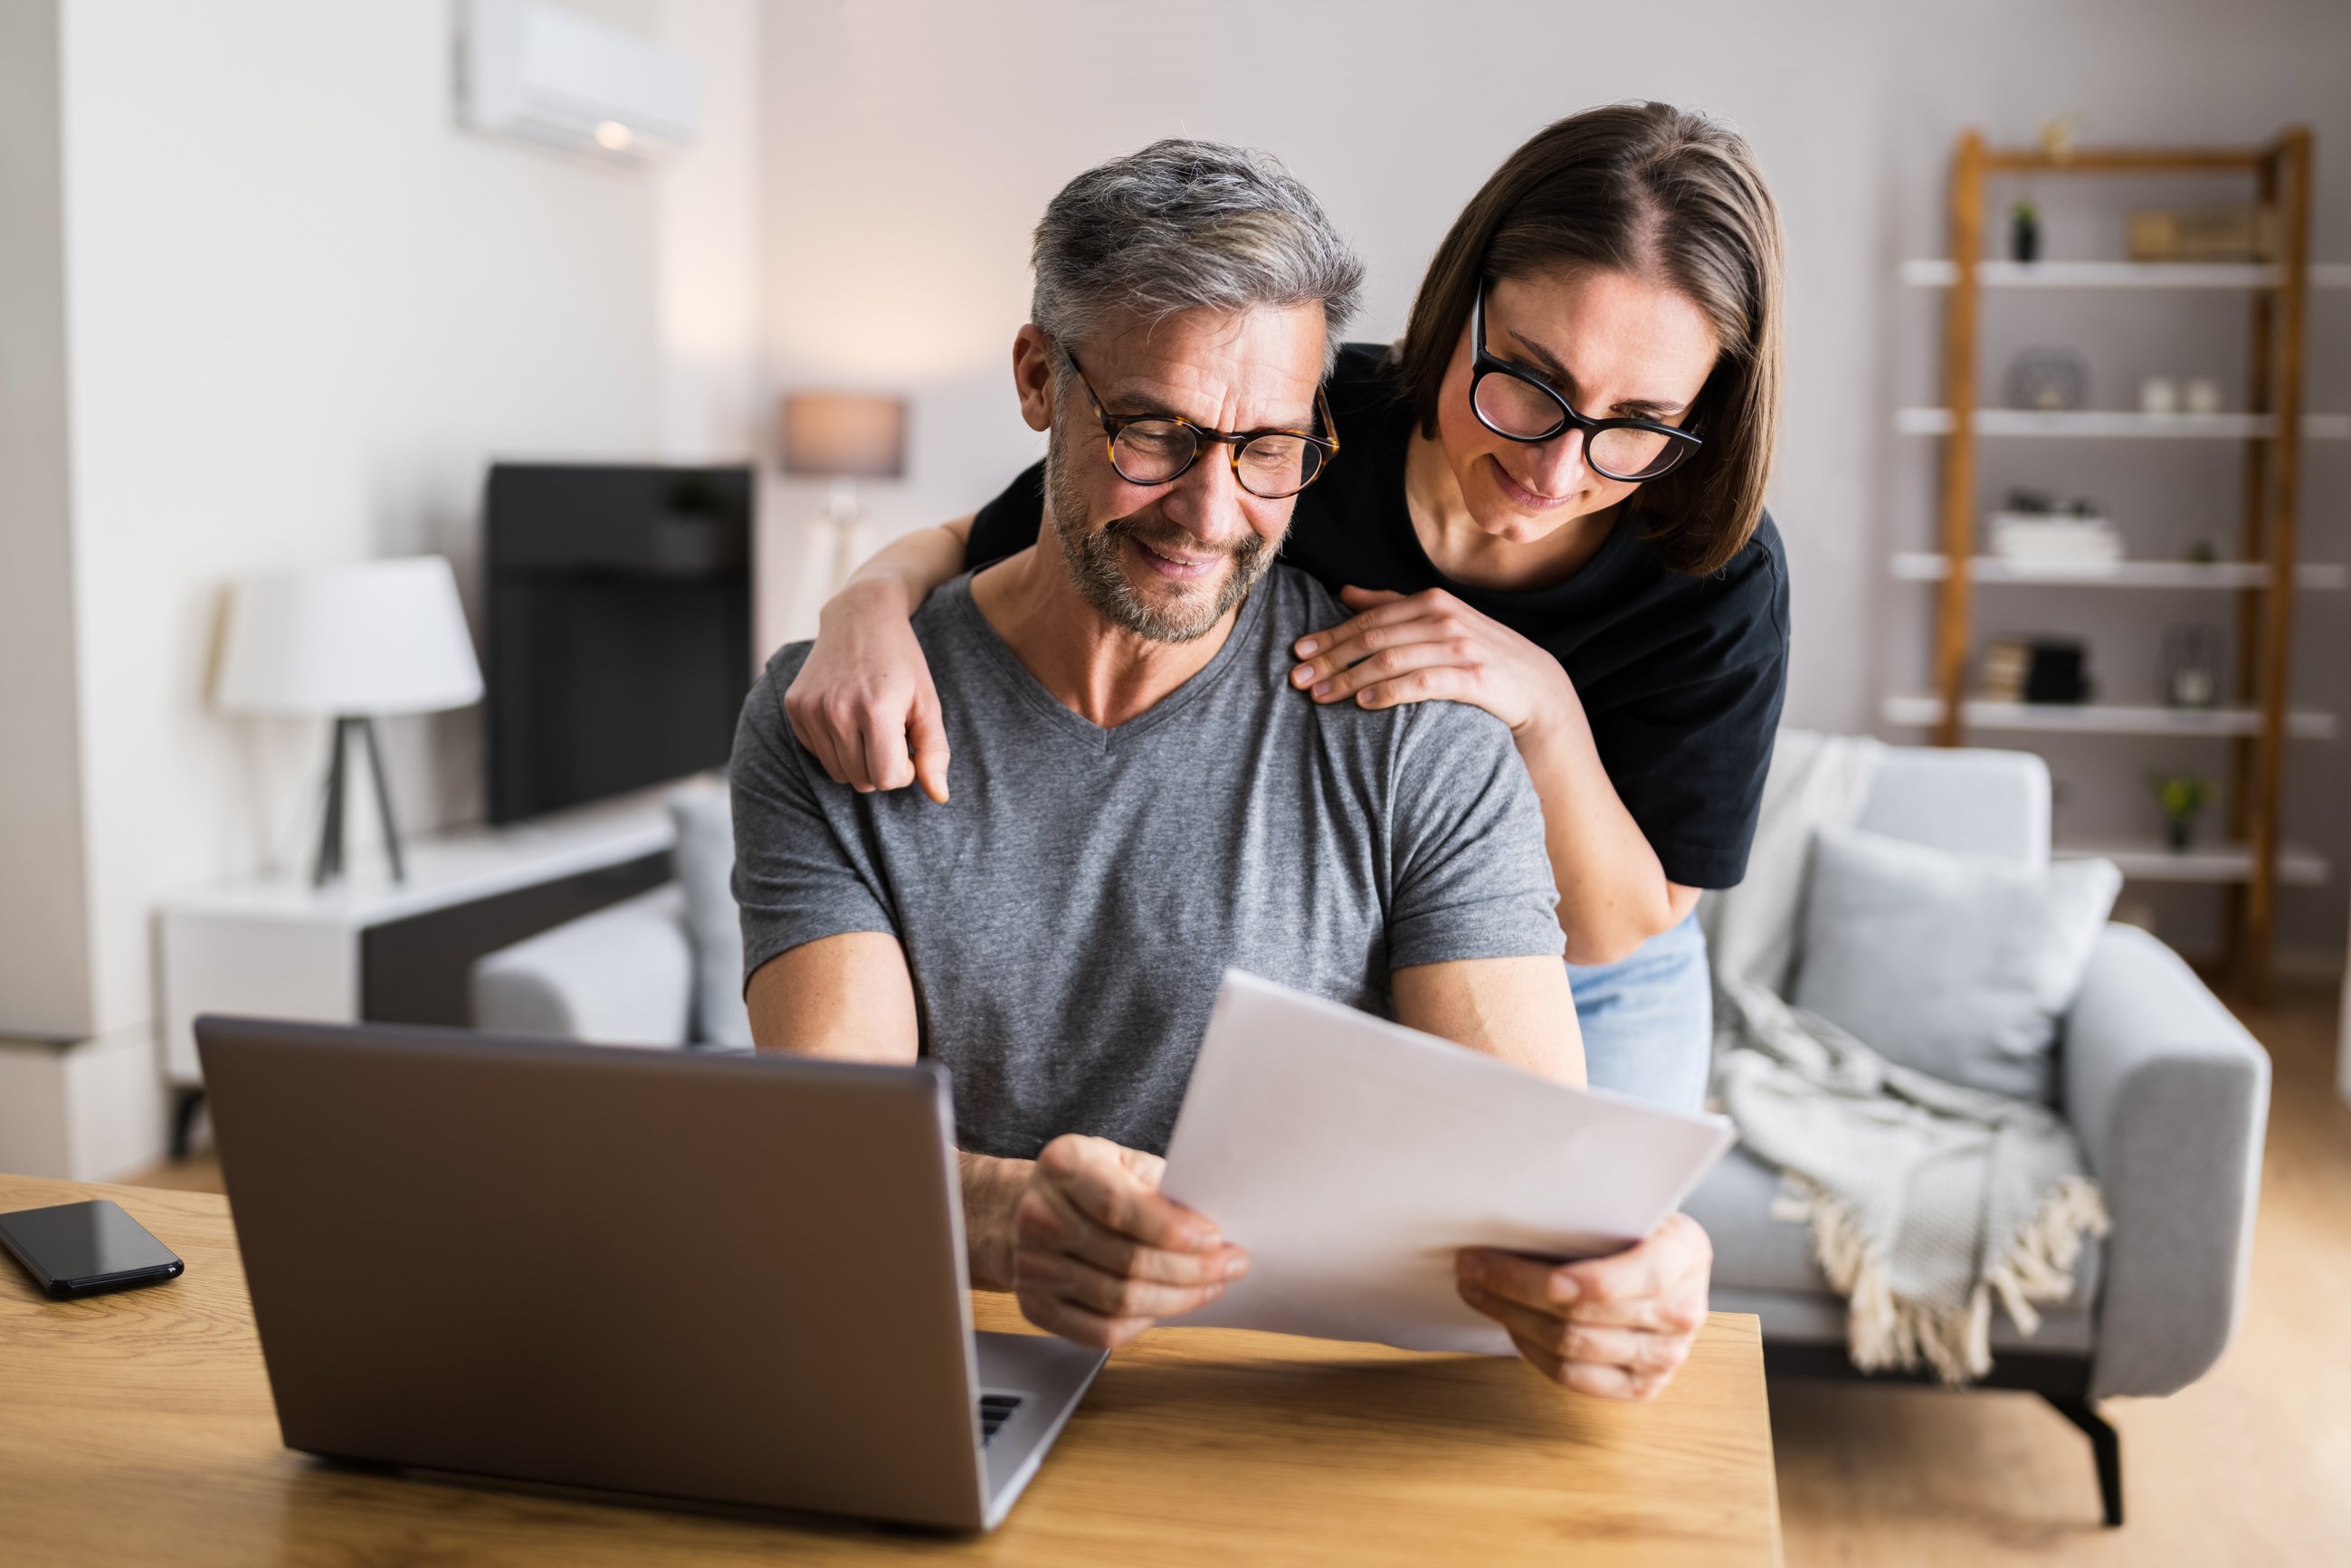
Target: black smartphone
x: 82, y: 1248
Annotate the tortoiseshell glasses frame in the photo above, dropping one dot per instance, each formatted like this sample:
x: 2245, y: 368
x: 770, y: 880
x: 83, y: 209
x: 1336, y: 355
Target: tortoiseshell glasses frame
x: 1151, y: 449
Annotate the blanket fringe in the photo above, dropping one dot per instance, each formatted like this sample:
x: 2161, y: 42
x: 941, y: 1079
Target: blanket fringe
x: 2038, y: 1264
x: 1885, y: 1331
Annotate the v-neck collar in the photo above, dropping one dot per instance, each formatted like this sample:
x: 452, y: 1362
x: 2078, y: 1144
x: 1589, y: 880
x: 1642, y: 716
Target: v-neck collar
x: 1077, y: 726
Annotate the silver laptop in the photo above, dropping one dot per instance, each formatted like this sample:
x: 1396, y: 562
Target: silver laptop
x: 712, y: 1279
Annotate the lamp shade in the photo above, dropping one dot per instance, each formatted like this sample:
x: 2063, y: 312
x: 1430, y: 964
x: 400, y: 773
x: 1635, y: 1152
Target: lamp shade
x: 844, y: 435
x: 380, y: 637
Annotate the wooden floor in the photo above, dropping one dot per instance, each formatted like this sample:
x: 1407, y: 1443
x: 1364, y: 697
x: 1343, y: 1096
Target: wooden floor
x: 2251, y: 1466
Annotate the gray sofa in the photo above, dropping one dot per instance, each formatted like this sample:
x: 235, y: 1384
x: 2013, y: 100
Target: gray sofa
x: 621, y: 976
x: 663, y: 968
x: 2167, y: 1094
x: 2166, y: 1091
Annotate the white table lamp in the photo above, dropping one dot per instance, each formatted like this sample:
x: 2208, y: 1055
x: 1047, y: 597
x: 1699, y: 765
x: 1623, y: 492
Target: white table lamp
x: 843, y: 437
x: 350, y: 643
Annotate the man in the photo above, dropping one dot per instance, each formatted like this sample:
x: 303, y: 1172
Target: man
x: 1150, y: 802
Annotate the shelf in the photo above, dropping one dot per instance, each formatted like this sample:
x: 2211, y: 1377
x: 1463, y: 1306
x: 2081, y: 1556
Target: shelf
x: 2146, y: 859
x: 1929, y: 566
x: 463, y: 866
x: 2102, y: 422
x: 1970, y: 281
x: 1939, y: 272
x: 2105, y: 718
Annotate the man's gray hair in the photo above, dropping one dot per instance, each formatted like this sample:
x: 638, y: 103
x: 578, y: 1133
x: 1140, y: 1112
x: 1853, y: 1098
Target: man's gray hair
x: 1189, y: 226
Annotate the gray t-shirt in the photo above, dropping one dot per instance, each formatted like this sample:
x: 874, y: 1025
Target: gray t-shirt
x: 1067, y: 916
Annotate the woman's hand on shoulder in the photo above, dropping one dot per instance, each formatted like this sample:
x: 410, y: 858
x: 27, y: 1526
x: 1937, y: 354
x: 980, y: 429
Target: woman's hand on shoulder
x: 1429, y: 645
x: 863, y: 703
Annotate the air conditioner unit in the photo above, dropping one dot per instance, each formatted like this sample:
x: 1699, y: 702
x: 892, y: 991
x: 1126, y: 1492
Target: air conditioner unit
x: 543, y: 74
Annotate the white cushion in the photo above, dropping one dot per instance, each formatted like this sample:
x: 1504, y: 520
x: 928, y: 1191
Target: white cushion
x: 620, y: 976
x: 704, y: 858
x: 1957, y: 964
x: 1975, y: 801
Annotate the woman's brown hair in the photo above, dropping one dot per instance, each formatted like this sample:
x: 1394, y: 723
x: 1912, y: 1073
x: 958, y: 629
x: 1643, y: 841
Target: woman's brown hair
x: 1655, y: 191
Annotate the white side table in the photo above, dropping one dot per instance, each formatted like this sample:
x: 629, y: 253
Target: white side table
x: 370, y: 948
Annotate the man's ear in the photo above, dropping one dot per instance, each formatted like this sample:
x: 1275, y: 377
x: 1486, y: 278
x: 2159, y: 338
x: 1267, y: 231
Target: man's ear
x: 1032, y: 375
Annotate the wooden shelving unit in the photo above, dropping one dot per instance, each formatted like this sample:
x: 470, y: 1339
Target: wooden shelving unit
x: 2265, y: 577
x: 1937, y: 272
x: 1925, y: 565
x: 2105, y: 718
x: 2226, y: 865
x: 2116, y: 424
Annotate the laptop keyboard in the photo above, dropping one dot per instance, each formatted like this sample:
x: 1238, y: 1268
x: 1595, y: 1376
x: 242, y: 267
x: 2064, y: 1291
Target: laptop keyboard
x: 994, y: 1410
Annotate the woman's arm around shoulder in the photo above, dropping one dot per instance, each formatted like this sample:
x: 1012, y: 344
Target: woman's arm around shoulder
x: 863, y: 703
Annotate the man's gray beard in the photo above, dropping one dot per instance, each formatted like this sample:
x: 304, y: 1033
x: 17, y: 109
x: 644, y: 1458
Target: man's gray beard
x: 1094, y: 564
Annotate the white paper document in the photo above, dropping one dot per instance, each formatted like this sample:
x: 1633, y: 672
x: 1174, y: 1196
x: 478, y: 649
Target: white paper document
x: 1352, y: 1158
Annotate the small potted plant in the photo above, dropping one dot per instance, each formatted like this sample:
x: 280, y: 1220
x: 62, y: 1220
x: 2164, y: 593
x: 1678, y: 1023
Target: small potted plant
x: 2024, y: 231
x: 2181, y: 795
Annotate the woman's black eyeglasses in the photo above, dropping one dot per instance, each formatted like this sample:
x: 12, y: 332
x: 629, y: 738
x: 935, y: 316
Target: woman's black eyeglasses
x: 1159, y: 449
x: 1520, y: 405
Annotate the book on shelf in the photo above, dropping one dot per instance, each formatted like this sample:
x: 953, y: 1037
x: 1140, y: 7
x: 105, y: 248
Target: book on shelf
x: 2035, y: 670
x: 2240, y: 232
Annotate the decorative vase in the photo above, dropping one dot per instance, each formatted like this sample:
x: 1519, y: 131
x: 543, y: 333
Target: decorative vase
x: 2048, y: 379
x: 2191, y: 666
x: 2177, y: 831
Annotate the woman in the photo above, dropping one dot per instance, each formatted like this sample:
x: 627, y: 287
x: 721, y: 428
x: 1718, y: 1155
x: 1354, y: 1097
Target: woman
x: 1549, y: 504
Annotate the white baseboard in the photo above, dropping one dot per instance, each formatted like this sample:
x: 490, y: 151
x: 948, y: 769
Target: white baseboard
x: 94, y: 1110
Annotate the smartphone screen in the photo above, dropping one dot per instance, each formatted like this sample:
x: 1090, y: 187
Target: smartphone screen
x: 78, y: 1247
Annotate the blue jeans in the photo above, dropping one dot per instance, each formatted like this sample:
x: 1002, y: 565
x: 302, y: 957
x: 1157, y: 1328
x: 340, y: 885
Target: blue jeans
x: 1648, y: 1020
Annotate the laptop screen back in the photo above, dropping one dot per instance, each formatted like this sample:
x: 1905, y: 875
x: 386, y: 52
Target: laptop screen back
x: 724, y: 1278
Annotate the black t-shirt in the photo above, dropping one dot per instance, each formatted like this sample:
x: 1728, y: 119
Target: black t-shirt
x: 1680, y: 676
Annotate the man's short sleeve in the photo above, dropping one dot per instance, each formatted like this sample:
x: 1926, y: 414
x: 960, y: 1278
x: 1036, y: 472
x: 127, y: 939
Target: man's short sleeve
x: 1472, y: 874
x: 803, y: 870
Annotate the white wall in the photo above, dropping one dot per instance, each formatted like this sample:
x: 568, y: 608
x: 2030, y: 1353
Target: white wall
x: 911, y: 146
x: 304, y: 311
x: 44, y: 927
x: 262, y: 305
x: 301, y: 310
x: 708, y: 247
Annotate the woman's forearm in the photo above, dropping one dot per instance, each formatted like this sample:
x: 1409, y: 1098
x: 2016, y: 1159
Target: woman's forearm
x: 902, y: 572
x: 1614, y: 894
x: 864, y: 704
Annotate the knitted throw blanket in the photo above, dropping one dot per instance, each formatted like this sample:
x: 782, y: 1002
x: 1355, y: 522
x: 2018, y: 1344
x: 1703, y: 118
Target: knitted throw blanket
x: 1926, y: 1200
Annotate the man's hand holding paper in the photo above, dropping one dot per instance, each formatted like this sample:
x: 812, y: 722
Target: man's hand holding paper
x: 1618, y: 1327
x: 1094, y: 1251
x: 1370, y: 1170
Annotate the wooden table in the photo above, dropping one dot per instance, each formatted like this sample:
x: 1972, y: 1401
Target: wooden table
x: 137, y: 1427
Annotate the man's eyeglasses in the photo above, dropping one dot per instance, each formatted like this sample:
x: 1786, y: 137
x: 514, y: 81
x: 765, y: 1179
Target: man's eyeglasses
x: 1158, y: 448
x: 1520, y: 405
